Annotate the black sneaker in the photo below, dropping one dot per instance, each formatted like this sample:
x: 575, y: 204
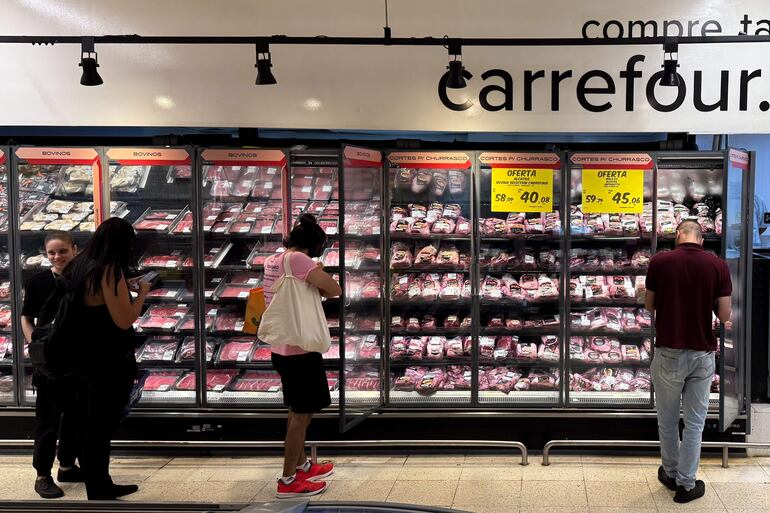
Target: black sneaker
x: 71, y: 475
x: 668, y: 482
x: 47, y: 489
x: 682, y: 496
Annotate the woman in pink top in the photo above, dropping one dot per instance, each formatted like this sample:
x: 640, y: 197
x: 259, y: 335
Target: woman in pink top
x: 303, y: 379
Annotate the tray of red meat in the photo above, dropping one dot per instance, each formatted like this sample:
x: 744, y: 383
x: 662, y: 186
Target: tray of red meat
x: 187, y: 349
x: 158, y: 349
x: 161, y: 381
x: 184, y: 225
x: 262, y: 209
x: 261, y: 354
x: 188, y: 322
x: 236, y: 350
x: 330, y: 226
x: 229, y: 320
x: 156, y: 220
x: 232, y: 291
x: 323, y: 189
x: 257, y: 260
x: 301, y: 193
x: 157, y: 259
x: 163, y: 317
x: 245, y: 278
x: 217, y: 380
x: 264, y: 226
x: 257, y: 381
x: 163, y: 293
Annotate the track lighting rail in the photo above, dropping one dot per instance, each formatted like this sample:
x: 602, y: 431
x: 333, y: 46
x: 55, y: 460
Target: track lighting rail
x: 378, y: 41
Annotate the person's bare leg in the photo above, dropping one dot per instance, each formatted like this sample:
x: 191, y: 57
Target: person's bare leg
x: 294, y: 446
x: 302, y: 456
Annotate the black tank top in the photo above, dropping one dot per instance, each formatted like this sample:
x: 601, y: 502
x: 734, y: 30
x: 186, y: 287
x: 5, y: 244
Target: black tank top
x: 107, y: 344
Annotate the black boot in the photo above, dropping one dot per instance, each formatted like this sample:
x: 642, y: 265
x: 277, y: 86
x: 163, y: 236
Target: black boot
x: 668, y: 482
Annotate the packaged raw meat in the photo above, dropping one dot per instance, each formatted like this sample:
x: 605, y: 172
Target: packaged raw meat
x: 454, y: 348
x: 491, y: 288
x: 505, y: 347
x: 444, y: 225
x: 431, y: 286
x: 217, y: 380
x: 495, y: 321
x: 456, y: 182
x: 158, y: 349
x: 434, y: 349
x: 161, y: 381
x: 257, y: 381
x: 427, y: 323
x: 425, y: 255
x: 503, y: 379
x: 526, y: 351
x: 528, y: 282
x: 235, y: 350
x: 451, y: 284
x: 644, y: 318
x: 415, y: 348
x: 547, y: 287
x: 228, y: 320
x: 402, y: 286
x: 458, y: 377
x: 264, y: 353
x: 399, y: 348
x: 487, y: 347
x: 421, y: 181
x: 630, y: 353
x: 462, y: 226
x: 369, y: 347
x: 431, y: 381
x: 534, y: 224
x: 397, y: 213
x: 187, y: 349
x: 411, y: 378
x: 576, y: 347
x: 162, y: 317
x: 439, y: 183
x: 542, y: 379
x: 452, y: 321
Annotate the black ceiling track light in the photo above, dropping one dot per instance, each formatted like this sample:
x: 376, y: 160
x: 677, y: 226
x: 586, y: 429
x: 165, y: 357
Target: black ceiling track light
x: 670, y: 63
x: 89, y: 61
x: 456, y: 79
x: 263, y: 65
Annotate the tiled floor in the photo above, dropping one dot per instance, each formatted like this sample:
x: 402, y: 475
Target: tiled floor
x: 477, y: 483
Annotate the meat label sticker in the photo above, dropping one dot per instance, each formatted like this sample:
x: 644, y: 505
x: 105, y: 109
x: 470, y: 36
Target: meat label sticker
x: 613, y: 191
x: 219, y: 387
x: 522, y: 190
x: 243, y: 295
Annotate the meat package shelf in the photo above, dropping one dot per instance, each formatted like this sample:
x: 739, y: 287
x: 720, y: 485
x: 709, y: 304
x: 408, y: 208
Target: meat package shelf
x: 437, y: 303
x: 524, y: 332
x: 609, y: 272
x: 524, y: 238
x: 607, y: 303
x: 430, y: 236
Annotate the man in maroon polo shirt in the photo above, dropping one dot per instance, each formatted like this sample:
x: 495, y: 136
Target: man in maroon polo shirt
x: 684, y: 287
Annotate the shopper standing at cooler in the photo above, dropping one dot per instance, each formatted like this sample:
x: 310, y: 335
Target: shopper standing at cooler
x: 56, y: 398
x: 98, y: 276
x: 684, y: 287
x: 303, y: 379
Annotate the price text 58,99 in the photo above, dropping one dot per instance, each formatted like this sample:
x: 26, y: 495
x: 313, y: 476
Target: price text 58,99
x: 527, y: 197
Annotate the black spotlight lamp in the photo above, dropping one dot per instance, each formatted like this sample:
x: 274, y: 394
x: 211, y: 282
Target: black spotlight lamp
x: 89, y: 62
x: 456, y: 79
x: 670, y: 76
x: 264, y: 63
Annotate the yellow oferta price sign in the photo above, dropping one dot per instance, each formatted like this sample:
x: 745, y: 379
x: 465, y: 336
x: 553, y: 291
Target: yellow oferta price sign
x: 613, y: 191
x: 522, y: 190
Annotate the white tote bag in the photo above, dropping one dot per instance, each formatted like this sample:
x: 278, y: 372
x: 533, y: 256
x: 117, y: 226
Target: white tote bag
x: 295, y: 316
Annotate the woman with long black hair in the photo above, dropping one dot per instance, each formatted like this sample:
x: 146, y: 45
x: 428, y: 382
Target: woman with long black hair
x: 98, y: 275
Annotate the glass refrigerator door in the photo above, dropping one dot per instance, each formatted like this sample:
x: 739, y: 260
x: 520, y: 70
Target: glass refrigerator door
x: 610, y: 241
x: 520, y: 264
x: 314, y: 188
x: 430, y: 289
x: 242, y: 214
x: 737, y: 243
x: 56, y: 192
x: 152, y: 189
x: 691, y: 185
x: 7, y: 381
x: 362, y: 365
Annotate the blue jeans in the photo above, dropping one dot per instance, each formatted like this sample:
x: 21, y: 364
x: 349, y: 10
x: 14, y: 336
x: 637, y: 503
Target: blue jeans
x: 682, y: 377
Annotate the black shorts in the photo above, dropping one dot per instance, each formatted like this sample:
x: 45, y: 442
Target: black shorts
x: 303, y: 379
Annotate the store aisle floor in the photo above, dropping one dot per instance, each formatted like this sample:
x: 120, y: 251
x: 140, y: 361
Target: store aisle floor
x: 478, y: 483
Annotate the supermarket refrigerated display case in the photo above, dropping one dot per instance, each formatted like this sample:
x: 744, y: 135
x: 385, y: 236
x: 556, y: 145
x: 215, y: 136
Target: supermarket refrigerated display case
x: 243, y: 212
x: 152, y: 188
x: 225, y: 222
x: 716, y: 190
x: 521, y: 248
x: 429, y: 310
x: 610, y: 244
x: 56, y: 191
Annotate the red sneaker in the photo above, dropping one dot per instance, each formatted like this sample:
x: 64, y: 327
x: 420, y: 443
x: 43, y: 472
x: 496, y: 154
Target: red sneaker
x: 299, y: 488
x: 317, y: 472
